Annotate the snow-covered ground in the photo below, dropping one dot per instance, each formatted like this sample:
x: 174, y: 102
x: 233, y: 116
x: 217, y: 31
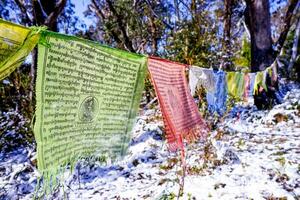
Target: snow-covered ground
x: 251, y: 155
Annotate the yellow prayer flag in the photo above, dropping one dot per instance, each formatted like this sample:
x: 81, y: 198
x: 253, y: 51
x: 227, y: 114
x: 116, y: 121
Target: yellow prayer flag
x: 16, y: 42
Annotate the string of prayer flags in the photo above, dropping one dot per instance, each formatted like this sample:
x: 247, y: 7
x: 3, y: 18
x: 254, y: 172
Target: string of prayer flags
x: 16, y: 42
x: 87, y: 99
x: 180, y: 113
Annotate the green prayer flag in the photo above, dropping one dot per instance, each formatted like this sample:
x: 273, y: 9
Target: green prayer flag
x: 235, y: 84
x: 16, y: 42
x: 87, y: 98
x: 260, y: 80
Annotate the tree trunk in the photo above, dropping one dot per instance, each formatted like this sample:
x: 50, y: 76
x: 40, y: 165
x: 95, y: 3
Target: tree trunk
x: 45, y: 13
x: 227, y: 21
x: 257, y: 16
x: 226, y: 63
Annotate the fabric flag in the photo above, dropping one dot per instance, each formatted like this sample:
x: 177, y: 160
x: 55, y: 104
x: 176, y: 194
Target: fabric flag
x: 193, y: 81
x: 217, y: 99
x: 249, y: 85
x: 260, y: 81
x: 180, y: 113
x: 235, y: 84
x: 272, y: 71
x: 16, y: 42
x: 87, y: 100
x: 252, y: 81
x: 215, y: 84
x: 201, y: 77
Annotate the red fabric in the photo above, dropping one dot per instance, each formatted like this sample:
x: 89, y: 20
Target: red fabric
x: 247, y: 86
x: 180, y: 113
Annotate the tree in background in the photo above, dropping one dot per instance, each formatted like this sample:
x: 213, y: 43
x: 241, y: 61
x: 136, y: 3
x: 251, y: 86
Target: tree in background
x: 183, y: 31
x: 226, y: 47
x: 136, y: 26
x: 194, y: 38
x: 258, y: 20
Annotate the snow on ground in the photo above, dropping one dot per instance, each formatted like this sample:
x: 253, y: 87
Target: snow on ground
x: 252, y: 155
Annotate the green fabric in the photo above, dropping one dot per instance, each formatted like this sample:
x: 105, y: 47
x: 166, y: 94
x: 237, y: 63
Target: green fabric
x: 235, y: 84
x: 16, y: 42
x: 260, y: 81
x: 87, y: 99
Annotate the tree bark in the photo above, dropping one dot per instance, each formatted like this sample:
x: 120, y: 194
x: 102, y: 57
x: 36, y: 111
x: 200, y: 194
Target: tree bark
x: 45, y: 13
x: 226, y: 64
x: 227, y: 21
x: 257, y: 17
x: 51, y: 20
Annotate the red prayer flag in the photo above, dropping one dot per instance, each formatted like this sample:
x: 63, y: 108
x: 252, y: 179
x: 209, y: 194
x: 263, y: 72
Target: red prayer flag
x: 180, y: 113
x: 247, y: 86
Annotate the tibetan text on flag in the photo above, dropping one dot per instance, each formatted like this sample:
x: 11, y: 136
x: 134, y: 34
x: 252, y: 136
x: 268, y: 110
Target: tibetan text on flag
x: 87, y: 99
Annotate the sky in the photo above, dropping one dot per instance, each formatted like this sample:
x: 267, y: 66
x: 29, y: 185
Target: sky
x: 80, y: 7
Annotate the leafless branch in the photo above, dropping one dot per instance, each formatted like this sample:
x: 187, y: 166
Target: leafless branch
x: 295, y: 47
x: 95, y: 7
x: 287, y: 23
x: 21, y: 5
x: 122, y: 26
x: 51, y: 19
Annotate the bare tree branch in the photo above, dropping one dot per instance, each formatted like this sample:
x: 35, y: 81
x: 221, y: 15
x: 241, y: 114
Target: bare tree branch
x: 100, y: 14
x: 39, y: 14
x: 295, y: 47
x: 51, y: 19
x: 23, y: 9
x: 122, y: 26
x: 141, y: 48
x: 156, y: 16
x: 246, y: 29
x: 226, y: 64
x: 287, y: 24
